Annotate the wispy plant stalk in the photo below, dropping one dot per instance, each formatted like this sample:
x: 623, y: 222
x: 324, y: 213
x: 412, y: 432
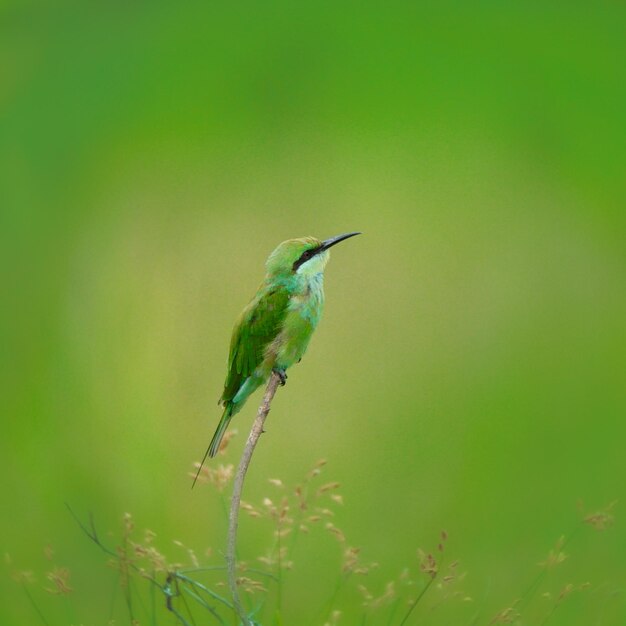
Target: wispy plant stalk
x: 235, y: 503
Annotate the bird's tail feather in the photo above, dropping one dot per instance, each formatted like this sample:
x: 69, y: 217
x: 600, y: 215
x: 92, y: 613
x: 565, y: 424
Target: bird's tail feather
x: 214, y: 446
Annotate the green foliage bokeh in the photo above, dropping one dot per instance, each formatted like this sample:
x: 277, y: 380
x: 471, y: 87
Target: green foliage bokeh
x: 470, y: 369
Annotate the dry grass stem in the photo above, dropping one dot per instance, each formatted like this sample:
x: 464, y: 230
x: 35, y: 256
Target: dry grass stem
x: 233, y: 516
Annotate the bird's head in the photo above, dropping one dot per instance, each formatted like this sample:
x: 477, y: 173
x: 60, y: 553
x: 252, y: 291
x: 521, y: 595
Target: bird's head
x: 305, y: 256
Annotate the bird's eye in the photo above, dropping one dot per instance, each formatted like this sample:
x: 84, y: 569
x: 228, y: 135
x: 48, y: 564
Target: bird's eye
x: 304, y: 257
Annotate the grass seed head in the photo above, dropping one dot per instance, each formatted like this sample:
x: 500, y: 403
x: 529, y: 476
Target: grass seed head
x: 157, y: 560
x: 367, y: 595
x: 249, y: 585
x: 59, y: 577
x: 428, y: 563
x: 556, y: 556
x: 506, y: 616
x: 139, y: 550
x: 602, y: 519
x: 24, y: 577
x: 219, y: 477
x: 386, y: 597
x: 129, y: 525
x: 334, y: 619
x: 350, y: 559
x: 250, y: 510
x: 228, y: 435
x: 333, y: 530
x: 327, y: 487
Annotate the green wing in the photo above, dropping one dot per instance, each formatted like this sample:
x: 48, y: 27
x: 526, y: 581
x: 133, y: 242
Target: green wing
x: 255, y: 329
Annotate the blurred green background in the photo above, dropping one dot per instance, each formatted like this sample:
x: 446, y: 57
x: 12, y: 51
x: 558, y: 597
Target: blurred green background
x: 470, y: 369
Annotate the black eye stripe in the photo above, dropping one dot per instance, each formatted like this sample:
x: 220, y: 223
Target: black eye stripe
x: 305, y: 256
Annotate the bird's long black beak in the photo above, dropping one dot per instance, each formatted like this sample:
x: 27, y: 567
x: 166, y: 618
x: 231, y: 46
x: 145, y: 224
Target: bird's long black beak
x: 328, y: 243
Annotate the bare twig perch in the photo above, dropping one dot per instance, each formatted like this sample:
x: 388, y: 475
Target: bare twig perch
x: 233, y: 516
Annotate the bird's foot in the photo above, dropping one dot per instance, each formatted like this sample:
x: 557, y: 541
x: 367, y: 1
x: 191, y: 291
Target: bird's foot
x: 282, y: 375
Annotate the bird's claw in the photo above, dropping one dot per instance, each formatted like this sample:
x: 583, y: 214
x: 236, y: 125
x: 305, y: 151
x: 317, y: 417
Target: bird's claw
x: 282, y: 375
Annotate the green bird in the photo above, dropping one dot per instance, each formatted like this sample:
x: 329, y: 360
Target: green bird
x: 274, y: 330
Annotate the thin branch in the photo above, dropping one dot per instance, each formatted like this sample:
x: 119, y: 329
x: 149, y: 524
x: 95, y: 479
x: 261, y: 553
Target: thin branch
x: 93, y: 535
x: 180, y: 618
x: 203, y: 603
x: 233, y: 516
x: 34, y: 605
x: 204, y: 588
x: 416, y: 601
x: 193, y: 570
x: 221, y: 568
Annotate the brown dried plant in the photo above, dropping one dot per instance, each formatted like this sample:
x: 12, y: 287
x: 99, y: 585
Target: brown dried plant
x: 179, y: 574
x: 600, y: 520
